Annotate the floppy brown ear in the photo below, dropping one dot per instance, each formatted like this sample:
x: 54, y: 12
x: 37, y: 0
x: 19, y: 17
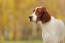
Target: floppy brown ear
x: 45, y: 16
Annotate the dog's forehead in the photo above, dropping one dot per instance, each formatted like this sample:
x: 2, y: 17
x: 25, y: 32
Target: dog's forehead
x: 37, y: 8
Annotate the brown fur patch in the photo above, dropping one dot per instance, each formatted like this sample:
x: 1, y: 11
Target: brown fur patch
x: 42, y: 15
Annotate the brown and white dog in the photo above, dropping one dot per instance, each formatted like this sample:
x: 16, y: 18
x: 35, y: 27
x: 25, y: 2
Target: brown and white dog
x: 52, y: 29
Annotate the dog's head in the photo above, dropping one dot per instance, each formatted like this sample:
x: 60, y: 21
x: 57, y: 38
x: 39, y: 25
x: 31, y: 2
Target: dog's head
x: 40, y: 14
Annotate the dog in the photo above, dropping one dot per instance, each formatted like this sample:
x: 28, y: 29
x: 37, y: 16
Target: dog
x: 53, y: 30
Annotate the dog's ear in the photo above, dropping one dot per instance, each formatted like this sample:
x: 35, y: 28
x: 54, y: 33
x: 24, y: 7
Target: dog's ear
x: 45, y: 16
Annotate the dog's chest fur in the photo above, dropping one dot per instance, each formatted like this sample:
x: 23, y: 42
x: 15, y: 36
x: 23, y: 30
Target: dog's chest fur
x: 53, y: 30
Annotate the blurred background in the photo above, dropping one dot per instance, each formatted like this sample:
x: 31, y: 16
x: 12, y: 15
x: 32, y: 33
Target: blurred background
x: 14, y: 21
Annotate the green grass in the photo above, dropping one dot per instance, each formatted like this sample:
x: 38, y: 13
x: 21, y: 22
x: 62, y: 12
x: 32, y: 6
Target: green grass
x: 21, y: 41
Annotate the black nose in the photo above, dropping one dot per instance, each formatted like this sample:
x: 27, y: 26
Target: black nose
x: 30, y: 18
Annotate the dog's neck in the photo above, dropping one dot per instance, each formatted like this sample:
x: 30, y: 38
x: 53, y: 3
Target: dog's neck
x: 41, y: 24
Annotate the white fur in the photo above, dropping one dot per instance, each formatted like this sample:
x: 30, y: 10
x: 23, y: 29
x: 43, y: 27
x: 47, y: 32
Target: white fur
x: 38, y: 7
x: 34, y: 17
x: 53, y: 31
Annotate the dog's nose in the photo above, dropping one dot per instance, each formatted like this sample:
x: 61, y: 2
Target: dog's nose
x: 30, y: 18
